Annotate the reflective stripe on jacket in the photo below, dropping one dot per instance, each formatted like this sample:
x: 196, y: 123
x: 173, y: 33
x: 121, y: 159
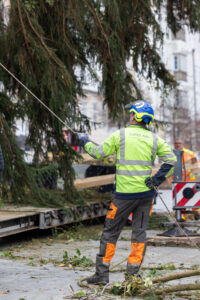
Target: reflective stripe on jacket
x: 136, y: 148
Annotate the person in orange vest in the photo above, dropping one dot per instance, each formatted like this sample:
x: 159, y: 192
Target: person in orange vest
x: 188, y: 156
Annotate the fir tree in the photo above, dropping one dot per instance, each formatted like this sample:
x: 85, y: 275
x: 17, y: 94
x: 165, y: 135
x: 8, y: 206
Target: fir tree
x: 45, y: 42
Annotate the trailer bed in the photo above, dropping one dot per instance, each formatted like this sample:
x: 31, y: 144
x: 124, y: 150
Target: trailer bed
x: 15, y: 220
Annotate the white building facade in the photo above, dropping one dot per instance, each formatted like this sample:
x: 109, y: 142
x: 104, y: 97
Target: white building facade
x: 180, y: 107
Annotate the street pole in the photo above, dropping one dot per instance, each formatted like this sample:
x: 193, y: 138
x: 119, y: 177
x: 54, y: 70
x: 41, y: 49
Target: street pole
x: 195, y: 99
x: 178, y: 175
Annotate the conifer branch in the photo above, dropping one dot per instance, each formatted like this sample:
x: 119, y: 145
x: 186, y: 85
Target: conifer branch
x: 61, y: 37
x: 6, y: 137
x: 23, y: 29
x: 100, y: 26
x: 50, y: 53
x: 133, y: 15
x: 72, y: 50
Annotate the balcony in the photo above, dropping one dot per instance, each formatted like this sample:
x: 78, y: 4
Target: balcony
x: 180, y: 75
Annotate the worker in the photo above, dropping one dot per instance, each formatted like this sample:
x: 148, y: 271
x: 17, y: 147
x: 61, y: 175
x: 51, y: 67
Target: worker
x: 188, y: 156
x: 136, y: 148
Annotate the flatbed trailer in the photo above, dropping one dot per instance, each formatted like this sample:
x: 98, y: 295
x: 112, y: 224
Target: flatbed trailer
x: 15, y: 220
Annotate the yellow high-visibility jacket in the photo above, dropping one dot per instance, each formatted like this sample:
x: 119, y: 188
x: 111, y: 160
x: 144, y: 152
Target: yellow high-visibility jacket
x: 136, y: 148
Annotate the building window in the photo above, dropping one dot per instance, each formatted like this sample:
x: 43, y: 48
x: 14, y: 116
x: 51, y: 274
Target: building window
x: 103, y: 116
x: 180, y: 62
x: 181, y: 98
x: 94, y: 111
x: 180, y: 66
x: 180, y: 35
x: 175, y: 62
x: 84, y: 107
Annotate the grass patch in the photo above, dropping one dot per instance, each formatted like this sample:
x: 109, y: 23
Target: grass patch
x: 93, y: 195
x: 79, y: 232
x: 43, y: 261
x: 156, y: 221
x: 77, y: 260
x: 32, y: 264
x: 160, y: 270
x: 7, y: 254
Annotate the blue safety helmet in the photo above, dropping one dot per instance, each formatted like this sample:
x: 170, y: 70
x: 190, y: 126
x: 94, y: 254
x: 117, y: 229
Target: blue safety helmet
x: 143, y: 112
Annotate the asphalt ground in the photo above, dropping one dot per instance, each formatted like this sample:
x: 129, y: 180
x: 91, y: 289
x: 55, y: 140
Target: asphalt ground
x: 30, y: 279
x: 30, y: 272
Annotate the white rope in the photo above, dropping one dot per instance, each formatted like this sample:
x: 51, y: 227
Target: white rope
x: 53, y: 113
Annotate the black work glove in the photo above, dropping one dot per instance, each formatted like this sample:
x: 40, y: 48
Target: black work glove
x: 82, y: 138
x: 151, y: 183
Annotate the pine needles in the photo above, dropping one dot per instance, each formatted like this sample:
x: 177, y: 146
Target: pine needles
x: 47, y: 44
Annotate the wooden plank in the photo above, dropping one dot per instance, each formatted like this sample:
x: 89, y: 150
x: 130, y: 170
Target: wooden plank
x: 20, y: 230
x: 88, y: 182
x: 87, y: 159
x: 173, y: 241
x: 94, y: 181
x: 9, y: 215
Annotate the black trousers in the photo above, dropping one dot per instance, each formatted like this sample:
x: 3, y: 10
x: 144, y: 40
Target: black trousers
x: 116, y: 218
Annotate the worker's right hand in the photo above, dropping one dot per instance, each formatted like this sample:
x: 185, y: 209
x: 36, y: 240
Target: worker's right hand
x: 83, y: 138
x: 151, y: 183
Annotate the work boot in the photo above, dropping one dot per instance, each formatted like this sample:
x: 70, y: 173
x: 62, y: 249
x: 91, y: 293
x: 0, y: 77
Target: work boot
x: 132, y: 269
x: 97, y: 279
x: 101, y: 275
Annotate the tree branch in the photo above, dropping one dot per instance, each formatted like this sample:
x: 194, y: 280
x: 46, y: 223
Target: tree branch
x: 93, y: 12
x: 23, y: 29
x: 50, y: 53
x: 6, y: 137
x: 176, y: 276
x: 175, y: 288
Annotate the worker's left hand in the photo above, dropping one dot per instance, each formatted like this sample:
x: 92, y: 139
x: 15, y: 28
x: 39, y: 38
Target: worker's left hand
x: 83, y: 138
x: 151, y: 183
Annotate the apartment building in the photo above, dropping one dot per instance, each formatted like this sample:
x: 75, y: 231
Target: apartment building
x: 179, y: 107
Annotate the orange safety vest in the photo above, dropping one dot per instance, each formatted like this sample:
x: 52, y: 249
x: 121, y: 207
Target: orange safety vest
x: 187, y: 174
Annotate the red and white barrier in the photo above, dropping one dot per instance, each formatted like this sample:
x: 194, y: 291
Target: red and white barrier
x: 186, y: 194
